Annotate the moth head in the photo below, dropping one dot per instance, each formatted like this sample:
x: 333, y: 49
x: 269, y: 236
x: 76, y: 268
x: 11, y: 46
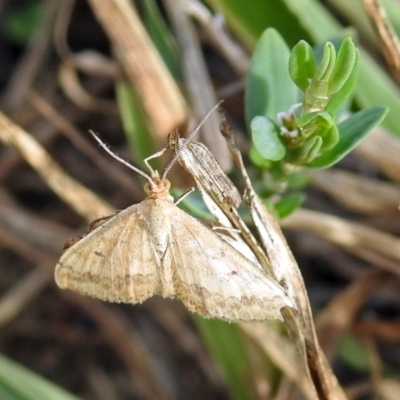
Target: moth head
x: 158, y: 188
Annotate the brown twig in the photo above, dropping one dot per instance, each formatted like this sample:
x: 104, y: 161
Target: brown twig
x: 390, y: 44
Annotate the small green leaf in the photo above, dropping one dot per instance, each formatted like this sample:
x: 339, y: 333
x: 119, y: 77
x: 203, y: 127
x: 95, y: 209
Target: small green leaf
x: 330, y: 138
x: 266, y: 138
x: 316, y: 96
x: 302, y: 64
x: 327, y: 64
x: 257, y: 159
x: 351, y: 131
x: 346, y: 90
x: 344, y: 66
x: 269, y: 89
x: 288, y: 204
x: 319, y: 119
x: 310, y: 149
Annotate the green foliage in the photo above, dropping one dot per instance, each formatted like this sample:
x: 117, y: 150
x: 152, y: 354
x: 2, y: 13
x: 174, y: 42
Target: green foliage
x: 18, y: 383
x: 307, y: 135
x: 268, y: 89
x: 161, y: 37
x: 135, y: 127
x: 266, y: 138
x: 22, y: 22
x: 227, y: 345
x: 310, y: 20
x: 288, y: 204
x: 353, y: 352
x: 352, y: 131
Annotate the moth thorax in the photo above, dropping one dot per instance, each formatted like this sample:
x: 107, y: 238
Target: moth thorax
x: 158, y: 189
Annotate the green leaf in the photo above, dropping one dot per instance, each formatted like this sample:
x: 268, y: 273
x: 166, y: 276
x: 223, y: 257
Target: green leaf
x: 345, y: 63
x: 346, y: 90
x: 162, y: 37
x: 374, y: 86
x: 18, y: 383
x: 257, y: 159
x: 354, y: 353
x: 330, y: 138
x: 249, y: 20
x: 320, y: 119
x: 327, y: 64
x: 227, y: 346
x: 269, y: 88
x: 288, y: 204
x: 139, y: 138
x: 302, y: 64
x: 266, y: 139
x: 351, y: 131
x: 309, y: 150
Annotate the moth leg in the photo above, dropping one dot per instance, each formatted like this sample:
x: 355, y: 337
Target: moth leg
x: 184, y: 195
x: 158, y: 154
x: 225, y: 228
x: 70, y: 242
x: 98, y: 221
x: 91, y: 226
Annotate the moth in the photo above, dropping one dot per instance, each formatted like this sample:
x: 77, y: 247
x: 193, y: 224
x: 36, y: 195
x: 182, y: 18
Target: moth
x: 155, y: 248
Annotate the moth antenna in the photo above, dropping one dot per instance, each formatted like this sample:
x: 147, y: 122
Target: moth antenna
x: 189, y: 139
x: 121, y: 160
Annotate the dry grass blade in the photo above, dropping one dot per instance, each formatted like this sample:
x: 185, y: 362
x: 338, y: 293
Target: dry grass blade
x: 19, y: 296
x: 162, y: 101
x: 129, y: 345
x: 218, y: 36
x: 388, y: 389
x: 339, y: 315
x: 198, y: 81
x: 382, y: 149
x: 388, y: 39
x: 68, y: 129
x: 388, y: 331
x: 282, y: 353
x: 91, y: 63
x: 73, y: 193
x: 357, y: 193
x: 350, y: 235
